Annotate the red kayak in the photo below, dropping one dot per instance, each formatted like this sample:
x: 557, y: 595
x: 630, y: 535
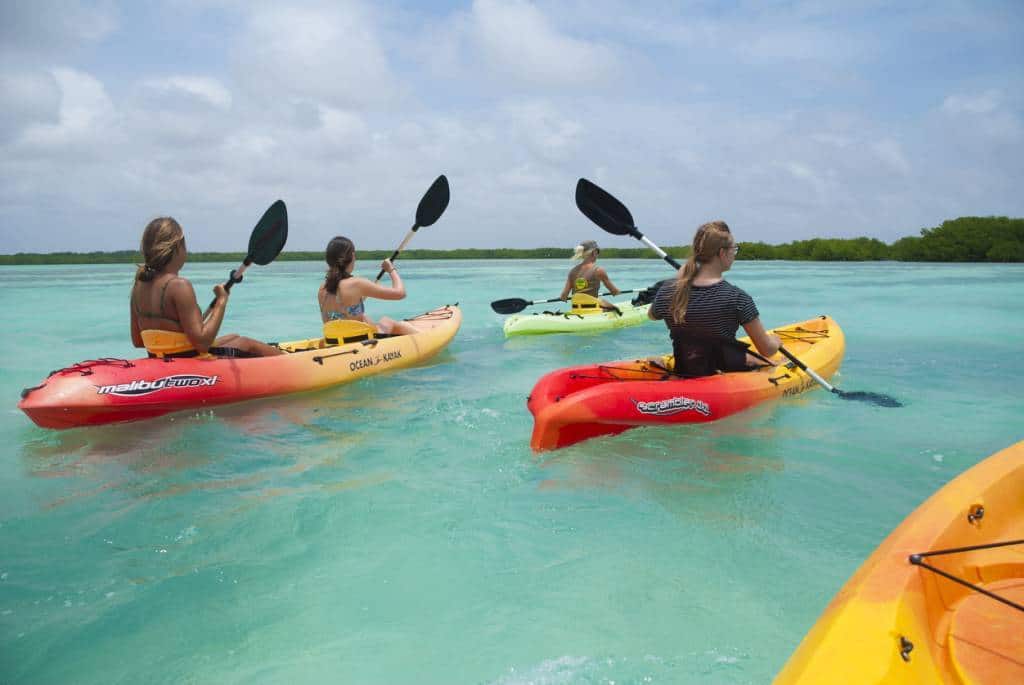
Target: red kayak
x: 103, y: 391
x: 582, y: 402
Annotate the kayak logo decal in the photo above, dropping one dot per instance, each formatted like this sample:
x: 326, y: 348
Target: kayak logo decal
x: 673, y: 405
x: 370, y: 362
x: 140, y: 387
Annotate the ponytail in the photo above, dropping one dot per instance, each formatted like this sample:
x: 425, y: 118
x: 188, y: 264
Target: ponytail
x: 339, y: 254
x: 709, y: 239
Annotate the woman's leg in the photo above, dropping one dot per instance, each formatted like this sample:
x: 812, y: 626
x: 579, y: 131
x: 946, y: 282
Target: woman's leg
x: 247, y: 345
x: 392, y: 327
x: 609, y: 307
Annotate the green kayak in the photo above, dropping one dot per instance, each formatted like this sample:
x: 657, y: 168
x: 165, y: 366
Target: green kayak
x: 569, y: 322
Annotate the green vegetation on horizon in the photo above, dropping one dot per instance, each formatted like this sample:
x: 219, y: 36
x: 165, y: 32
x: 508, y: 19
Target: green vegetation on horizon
x: 967, y: 239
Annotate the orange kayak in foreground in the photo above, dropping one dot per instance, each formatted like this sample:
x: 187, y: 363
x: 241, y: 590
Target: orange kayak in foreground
x: 581, y: 402
x: 902, y: 618
x: 100, y: 391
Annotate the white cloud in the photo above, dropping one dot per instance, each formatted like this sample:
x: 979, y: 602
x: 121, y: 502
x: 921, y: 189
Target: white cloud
x: 519, y: 41
x: 28, y: 97
x: 86, y: 114
x: 984, y: 103
x: 206, y: 89
x: 325, y: 53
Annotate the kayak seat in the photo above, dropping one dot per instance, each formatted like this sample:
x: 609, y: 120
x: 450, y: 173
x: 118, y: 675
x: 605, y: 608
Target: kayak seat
x: 583, y: 304
x: 161, y: 344
x: 344, y: 331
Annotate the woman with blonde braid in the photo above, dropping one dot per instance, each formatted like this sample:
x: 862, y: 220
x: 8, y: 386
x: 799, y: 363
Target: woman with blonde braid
x: 703, y: 311
x: 165, y: 316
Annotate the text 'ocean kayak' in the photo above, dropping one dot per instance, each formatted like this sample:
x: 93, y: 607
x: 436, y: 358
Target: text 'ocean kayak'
x: 941, y: 601
x: 568, y: 322
x: 581, y: 402
x: 111, y: 390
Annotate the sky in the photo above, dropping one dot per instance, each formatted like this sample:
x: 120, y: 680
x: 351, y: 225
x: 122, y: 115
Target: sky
x: 789, y: 120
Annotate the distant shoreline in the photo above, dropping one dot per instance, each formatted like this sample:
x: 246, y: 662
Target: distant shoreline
x: 967, y: 239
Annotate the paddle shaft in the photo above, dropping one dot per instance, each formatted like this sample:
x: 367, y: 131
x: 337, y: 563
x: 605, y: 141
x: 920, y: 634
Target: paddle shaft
x: 661, y: 253
x: 394, y: 255
x: 810, y: 372
x: 235, y: 277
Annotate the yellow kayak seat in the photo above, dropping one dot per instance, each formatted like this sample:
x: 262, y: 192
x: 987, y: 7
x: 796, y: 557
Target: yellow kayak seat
x: 343, y: 331
x: 163, y: 343
x: 583, y: 304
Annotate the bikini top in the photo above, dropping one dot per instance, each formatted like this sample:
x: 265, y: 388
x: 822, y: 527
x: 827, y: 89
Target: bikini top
x: 160, y: 314
x: 354, y: 311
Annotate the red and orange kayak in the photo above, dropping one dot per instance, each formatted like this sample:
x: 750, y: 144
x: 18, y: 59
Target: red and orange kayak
x: 101, y: 391
x: 941, y: 601
x: 581, y: 402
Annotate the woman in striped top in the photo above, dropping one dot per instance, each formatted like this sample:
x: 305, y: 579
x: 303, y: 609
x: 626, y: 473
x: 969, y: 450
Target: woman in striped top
x: 703, y: 311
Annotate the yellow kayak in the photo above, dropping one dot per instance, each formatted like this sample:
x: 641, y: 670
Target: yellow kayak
x: 942, y: 598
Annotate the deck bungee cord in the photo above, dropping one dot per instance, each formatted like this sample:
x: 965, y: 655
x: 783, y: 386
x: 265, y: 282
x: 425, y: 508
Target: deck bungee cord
x: 918, y: 560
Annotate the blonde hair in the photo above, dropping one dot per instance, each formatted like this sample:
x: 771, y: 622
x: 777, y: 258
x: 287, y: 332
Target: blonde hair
x: 709, y: 239
x: 584, y: 250
x: 159, y: 241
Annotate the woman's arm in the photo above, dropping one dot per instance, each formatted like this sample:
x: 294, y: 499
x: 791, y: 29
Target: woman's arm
x: 201, y: 333
x: 136, y: 331
x: 766, y: 343
x: 603, y: 275
x: 396, y: 291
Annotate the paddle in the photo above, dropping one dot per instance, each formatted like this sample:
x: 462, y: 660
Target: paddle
x: 514, y: 305
x: 604, y: 210
x: 267, y: 239
x: 607, y: 212
x: 430, y: 209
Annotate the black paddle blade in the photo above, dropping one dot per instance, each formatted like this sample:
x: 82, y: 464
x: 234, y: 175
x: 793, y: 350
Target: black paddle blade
x: 434, y: 202
x: 875, y: 398
x: 512, y: 305
x: 269, y: 236
x: 604, y: 210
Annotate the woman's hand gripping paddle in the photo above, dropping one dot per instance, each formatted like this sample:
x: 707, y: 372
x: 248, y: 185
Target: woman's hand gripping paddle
x: 607, y: 212
x: 266, y: 242
x: 514, y: 305
x: 430, y: 209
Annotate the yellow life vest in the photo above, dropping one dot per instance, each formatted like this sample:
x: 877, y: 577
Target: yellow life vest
x: 342, y: 331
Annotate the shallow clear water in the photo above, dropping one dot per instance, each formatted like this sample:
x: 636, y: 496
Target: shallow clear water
x: 399, y: 530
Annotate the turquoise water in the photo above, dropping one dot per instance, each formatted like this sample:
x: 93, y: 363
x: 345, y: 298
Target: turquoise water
x: 399, y: 530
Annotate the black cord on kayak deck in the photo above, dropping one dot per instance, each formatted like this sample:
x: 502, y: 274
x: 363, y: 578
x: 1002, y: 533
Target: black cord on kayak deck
x: 916, y: 560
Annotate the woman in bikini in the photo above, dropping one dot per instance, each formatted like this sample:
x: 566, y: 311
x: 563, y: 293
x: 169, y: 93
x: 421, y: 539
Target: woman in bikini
x: 162, y: 300
x: 703, y: 311
x: 341, y: 296
x: 587, y: 277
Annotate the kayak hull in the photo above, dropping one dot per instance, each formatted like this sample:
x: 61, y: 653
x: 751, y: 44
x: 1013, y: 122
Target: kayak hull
x: 105, y: 391
x: 564, y: 322
x: 581, y: 402
x: 954, y: 634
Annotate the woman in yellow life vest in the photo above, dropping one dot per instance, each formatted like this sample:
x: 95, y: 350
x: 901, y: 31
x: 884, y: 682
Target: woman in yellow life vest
x: 165, y: 316
x: 587, y: 277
